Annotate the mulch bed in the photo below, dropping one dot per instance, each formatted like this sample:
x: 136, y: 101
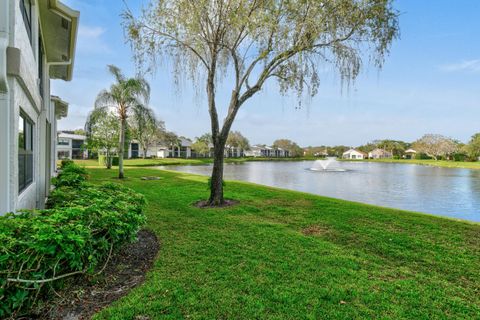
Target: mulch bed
x: 125, y: 270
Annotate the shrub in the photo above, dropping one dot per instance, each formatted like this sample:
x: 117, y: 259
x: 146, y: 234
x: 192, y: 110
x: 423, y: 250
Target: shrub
x: 66, y: 162
x: 115, y: 160
x: 76, y: 235
x: 459, y: 157
x: 71, y: 175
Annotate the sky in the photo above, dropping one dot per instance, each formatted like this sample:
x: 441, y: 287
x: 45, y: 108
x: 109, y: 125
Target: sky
x: 430, y: 83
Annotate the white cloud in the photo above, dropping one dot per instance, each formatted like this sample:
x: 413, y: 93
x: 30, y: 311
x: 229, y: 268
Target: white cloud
x: 90, y: 32
x: 464, y: 66
x: 90, y: 40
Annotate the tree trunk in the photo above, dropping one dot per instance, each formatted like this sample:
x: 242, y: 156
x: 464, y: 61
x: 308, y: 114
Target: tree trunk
x: 108, y: 160
x: 121, y: 148
x: 144, y: 153
x: 216, y: 182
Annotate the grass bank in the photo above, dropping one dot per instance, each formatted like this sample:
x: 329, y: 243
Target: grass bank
x: 93, y: 163
x: 433, y: 163
x: 288, y: 255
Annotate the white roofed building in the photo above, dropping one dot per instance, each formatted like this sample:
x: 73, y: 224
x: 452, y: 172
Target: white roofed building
x: 354, y: 154
x: 71, y: 146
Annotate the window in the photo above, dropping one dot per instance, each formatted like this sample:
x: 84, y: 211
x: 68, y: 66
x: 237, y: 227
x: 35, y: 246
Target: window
x: 26, y: 8
x: 63, y: 142
x: 63, y: 154
x: 77, y: 154
x: 77, y: 144
x: 40, y: 65
x: 25, y: 152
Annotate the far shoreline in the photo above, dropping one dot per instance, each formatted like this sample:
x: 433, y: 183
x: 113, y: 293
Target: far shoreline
x: 425, y: 162
x: 155, y: 162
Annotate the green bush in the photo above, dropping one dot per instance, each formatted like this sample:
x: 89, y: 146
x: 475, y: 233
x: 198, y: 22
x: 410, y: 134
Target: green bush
x: 459, y: 157
x: 82, y: 226
x: 71, y: 175
x: 115, y: 161
x: 66, y: 162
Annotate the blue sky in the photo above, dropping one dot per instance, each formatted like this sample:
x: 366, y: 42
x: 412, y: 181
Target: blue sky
x: 430, y: 83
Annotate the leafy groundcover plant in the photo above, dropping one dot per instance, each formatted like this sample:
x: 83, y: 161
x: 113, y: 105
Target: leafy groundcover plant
x: 82, y: 226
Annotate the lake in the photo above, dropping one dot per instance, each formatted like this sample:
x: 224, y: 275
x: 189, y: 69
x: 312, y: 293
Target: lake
x: 441, y: 191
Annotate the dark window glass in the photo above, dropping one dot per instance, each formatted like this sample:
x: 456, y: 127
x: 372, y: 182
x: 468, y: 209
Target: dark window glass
x: 26, y: 8
x: 63, y: 142
x: 77, y: 144
x: 25, y: 152
x: 40, y: 64
x: 77, y: 154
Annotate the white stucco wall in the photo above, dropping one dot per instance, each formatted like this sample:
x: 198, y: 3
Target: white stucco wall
x: 23, y: 95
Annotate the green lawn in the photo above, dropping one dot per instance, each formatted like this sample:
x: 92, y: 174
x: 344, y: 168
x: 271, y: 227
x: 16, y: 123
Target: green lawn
x: 434, y: 163
x: 288, y: 255
x: 91, y: 163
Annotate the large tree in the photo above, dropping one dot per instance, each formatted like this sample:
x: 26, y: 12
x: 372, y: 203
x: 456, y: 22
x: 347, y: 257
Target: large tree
x: 202, y: 144
x: 256, y: 40
x: 436, y: 145
x: 125, y: 96
x: 293, y: 148
x: 473, y: 147
x: 146, y: 128
x: 237, y: 140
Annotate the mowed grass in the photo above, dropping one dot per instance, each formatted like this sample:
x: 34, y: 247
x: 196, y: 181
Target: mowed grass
x: 93, y: 163
x: 288, y: 255
x: 150, y: 162
x: 434, y: 163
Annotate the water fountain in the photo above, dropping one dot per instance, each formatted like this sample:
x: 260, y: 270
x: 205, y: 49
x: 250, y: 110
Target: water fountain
x: 329, y: 164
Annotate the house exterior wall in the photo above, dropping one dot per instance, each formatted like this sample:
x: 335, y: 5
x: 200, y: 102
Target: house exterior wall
x: 20, y: 93
x: 24, y: 96
x: 183, y: 150
x: 258, y: 151
x: 379, y: 154
x: 353, y: 155
x: 64, y: 150
x: 67, y: 151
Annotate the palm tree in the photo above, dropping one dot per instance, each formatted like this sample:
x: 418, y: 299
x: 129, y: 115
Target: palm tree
x: 124, y: 96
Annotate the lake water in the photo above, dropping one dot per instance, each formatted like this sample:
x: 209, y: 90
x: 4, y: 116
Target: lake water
x: 441, y: 191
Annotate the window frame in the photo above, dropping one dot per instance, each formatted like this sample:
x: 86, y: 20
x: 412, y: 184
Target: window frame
x: 27, y: 17
x: 63, y: 142
x: 25, y: 153
x: 41, y: 55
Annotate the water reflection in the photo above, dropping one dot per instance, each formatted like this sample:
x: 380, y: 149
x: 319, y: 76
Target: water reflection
x: 442, y: 191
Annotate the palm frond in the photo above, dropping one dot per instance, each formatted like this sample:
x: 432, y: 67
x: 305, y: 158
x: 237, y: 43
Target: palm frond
x: 116, y: 72
x: 104, y: 99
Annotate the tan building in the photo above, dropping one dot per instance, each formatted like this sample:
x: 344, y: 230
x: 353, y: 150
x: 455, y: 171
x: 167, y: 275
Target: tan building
x: 380, y: 154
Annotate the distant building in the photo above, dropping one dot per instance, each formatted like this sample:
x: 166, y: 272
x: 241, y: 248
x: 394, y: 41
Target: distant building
x: 267, y: 152
x: 258, y: 151
x: 380, y: 154
x: 71, y: 146
x: 410, y: 154
x: 353, y: 154
x: 181, y: 150
x: 232, y: 152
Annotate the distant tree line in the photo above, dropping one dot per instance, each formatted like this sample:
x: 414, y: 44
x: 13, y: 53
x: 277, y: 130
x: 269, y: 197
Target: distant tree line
x: 429, y: 146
